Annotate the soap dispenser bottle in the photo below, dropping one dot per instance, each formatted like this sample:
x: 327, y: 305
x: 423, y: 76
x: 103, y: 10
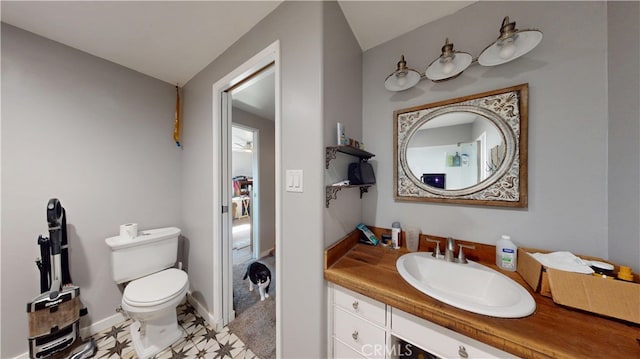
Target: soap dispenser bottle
x: 395, y: 235
x: 506, y: 254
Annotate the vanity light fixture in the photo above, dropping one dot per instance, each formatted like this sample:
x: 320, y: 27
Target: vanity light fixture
x: 402, y: 78
x: 449, y: 65
x: 511, y: 44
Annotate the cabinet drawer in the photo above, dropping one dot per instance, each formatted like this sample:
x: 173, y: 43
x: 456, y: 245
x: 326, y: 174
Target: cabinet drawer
x: 343, y: 351
x: 363, y: 336
x: 438, y: 340
x: 360, y: 305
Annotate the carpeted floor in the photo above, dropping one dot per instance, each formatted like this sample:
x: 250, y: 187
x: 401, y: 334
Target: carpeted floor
x: 255, y: 322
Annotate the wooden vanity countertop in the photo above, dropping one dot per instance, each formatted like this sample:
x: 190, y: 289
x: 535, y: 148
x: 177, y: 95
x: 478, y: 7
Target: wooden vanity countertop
x: 552, y: 331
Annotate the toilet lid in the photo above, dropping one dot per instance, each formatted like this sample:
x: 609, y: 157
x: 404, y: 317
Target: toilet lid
x: 156, y: 288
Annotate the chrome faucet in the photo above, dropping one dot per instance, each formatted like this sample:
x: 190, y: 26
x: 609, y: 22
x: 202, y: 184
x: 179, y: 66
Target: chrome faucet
x: 436, y: 250
x: 461, y: 257
x: 449, y: 250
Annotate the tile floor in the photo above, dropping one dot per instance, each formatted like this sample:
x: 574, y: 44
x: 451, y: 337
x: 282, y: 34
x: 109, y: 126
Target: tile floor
x: 200, y: 341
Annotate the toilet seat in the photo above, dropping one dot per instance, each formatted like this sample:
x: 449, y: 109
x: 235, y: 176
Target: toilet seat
x: 156, y: 288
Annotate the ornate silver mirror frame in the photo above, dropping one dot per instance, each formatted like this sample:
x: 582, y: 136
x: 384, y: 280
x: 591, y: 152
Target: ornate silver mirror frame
x: 506, y: 186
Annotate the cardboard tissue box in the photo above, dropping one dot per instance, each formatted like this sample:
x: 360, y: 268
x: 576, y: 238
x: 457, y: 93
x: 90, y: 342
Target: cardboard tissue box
x: 612, y: 298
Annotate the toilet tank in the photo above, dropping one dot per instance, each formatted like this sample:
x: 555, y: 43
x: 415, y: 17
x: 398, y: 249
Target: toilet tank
x: 151, y: 251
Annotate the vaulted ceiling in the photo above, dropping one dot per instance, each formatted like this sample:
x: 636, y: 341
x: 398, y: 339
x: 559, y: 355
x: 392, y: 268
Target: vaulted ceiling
x: 174, y: 40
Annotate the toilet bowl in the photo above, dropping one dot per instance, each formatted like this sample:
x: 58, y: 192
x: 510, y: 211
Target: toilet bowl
x: 154, y: 288
x: 151, y: 302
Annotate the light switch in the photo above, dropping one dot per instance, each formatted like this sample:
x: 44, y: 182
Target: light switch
x: 294, y: 181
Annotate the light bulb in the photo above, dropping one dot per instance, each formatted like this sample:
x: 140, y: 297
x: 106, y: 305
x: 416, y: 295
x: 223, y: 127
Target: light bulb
x: 507, y: 49
x: 401, y: 80
x: 447, y: 67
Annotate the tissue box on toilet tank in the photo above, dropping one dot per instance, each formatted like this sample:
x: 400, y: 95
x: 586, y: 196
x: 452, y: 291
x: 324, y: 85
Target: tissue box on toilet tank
x: 608, y: 297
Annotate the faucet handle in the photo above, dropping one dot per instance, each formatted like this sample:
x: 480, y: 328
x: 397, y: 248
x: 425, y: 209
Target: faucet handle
x: 461, y: 257
x: 436, y: 250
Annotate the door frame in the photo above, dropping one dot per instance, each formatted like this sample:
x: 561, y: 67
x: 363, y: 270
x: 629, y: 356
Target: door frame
x: 221, y: 254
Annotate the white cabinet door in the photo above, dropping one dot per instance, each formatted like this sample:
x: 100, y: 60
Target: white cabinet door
x: 363, y: 336
x: 358, y: 304
x: 438, y: 340
x: 343, y: 351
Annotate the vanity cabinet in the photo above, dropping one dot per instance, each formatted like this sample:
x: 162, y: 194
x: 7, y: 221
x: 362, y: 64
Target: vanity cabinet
x: 361, y: 327
x: 436, y: 340
x: 330, y: 154
x: 358, y: 325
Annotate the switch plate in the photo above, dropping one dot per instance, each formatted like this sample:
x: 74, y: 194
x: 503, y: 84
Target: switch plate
x: 294, y: 181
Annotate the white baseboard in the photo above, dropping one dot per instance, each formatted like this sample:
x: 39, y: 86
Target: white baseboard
x: 92, y: 329
x: 101, y: 325
x: 22, y: 356
x: 266, y: 253
x: 204, y: 313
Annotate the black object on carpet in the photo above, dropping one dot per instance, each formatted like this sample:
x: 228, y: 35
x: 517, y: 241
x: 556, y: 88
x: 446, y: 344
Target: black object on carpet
x: 255, y: 322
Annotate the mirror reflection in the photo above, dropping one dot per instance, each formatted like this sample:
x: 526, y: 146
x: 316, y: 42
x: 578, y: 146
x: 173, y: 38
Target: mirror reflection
x: 455, y: 150
x: 467, y: 150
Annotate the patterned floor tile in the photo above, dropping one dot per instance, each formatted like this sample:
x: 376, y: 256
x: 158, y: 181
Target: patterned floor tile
x: 200, y: 341
x: 182, y: 350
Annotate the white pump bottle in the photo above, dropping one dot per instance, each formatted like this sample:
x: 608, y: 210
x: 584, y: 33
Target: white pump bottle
x: 506, y: 254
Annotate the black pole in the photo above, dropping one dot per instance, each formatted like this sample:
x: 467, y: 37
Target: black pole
x: 45, y: 263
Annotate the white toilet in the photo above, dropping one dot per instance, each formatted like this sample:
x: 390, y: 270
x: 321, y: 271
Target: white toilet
x: 155, y: 289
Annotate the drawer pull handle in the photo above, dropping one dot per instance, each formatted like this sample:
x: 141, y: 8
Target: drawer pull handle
x: 355, y: 305
x: 354, y: 335
x: 462, y: 352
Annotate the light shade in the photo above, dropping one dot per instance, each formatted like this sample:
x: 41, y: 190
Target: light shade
x: 449, y: 65
x: 511, y: 44
x: 402, y: 78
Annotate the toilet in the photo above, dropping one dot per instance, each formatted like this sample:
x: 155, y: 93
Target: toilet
x: 155, y: 288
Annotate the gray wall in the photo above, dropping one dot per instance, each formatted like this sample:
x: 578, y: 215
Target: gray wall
x: 241, y: 164
x: 624, y: 132
x: 342, y: 95
x: 95, y: 135
x: 298, y: 26
x: 568, y: 126
x: 267, y: 175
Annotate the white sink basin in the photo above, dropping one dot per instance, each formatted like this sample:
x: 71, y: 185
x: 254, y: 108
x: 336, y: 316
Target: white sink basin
x: 471, y: 286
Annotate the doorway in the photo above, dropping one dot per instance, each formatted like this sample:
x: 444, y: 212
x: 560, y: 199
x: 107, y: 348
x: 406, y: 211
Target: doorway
x: 245, y: 204
x: 256, y: 192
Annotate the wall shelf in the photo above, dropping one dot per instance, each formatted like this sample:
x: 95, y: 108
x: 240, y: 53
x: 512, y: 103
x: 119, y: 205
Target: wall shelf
x: 332, y: 150
x: 332, y: 191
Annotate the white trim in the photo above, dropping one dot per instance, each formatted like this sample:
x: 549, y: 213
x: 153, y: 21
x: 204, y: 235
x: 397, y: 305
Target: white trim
x: 22, y: 356
x: 263, y: 58
x: 256, y: 195
x: 101, y: 325
x: 202, y: 310
x: 278, y: 196
x: 264, y: 254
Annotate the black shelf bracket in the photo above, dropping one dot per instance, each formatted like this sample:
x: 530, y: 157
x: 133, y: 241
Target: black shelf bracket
x: 331, y: 192
x: 330, y: 155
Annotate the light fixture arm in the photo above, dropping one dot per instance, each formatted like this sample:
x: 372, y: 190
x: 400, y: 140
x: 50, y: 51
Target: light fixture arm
x: 402, y: 64
x: 508, y: 29
x: 447, y: 50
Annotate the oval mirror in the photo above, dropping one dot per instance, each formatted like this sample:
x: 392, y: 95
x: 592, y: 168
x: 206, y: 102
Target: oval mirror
x: 467, y: 150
